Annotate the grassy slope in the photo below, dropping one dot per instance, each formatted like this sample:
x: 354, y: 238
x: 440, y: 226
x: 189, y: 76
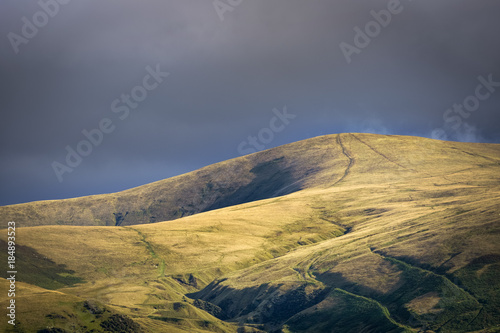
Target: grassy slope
x: 421, y: 248
x: 425, y: 247
x: 146, y: 270
x: 245, y: 179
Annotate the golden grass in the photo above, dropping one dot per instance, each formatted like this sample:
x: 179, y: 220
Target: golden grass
x: 402, y: 197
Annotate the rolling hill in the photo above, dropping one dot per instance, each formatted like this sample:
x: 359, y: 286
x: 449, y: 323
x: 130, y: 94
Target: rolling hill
x: 339, y: 233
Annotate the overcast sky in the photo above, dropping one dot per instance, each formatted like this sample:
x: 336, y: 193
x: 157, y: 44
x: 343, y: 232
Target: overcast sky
x: 230, y: 65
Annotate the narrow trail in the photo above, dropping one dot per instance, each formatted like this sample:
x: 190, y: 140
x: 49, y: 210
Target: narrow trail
x: 381, y: 154
x: 351, y: 160
x: 150, y: 249
x: 143, y: 240
x: 396, y: 163
x: 373, y: 301
x: 445, y: 278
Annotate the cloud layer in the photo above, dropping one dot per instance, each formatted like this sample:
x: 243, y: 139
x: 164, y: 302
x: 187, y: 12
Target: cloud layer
x: 225, y: 79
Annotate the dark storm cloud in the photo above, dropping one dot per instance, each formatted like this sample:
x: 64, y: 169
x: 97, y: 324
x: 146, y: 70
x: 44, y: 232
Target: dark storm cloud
x: 225, y: 79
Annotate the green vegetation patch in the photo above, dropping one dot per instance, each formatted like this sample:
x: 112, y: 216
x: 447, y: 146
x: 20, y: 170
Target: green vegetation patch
x: 342, y: 312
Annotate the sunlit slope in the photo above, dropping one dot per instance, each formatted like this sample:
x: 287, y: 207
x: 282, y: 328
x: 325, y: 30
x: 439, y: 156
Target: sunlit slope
x: 422, y: 251
x: 42, y: 310
x: 318, y: 162
x: 389, y: 234
x: 287, y: 261
x: 146, y: 271
x: 415, y: 257
x: 258, y: 176
x: 39, y: 309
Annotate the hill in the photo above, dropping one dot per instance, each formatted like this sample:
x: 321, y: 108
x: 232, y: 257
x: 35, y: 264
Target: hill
x: 344, y: 233
x: 280, y: 171
x: 321, y: 161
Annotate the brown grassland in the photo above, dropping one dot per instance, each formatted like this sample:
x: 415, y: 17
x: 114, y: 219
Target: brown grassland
x: 340, y: 233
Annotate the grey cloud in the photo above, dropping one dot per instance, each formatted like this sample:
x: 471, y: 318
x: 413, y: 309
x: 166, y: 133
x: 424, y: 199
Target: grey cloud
x: 226, y: 77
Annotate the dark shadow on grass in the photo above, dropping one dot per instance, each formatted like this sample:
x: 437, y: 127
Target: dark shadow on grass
x: 270, y: 177
x: 36, y: 269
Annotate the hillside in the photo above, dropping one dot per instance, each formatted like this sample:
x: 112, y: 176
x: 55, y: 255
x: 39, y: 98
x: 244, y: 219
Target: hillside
x: 317, y: 162
x: 280, y: 171
x: 340, y: 233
